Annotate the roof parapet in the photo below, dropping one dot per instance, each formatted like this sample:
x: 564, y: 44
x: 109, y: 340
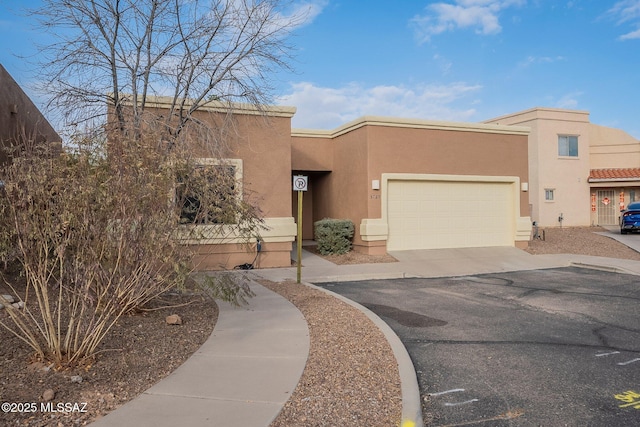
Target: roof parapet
x: 411, y: 123
x: 165, y: 102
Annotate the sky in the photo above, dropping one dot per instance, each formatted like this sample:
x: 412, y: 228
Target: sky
x: 453, y: 60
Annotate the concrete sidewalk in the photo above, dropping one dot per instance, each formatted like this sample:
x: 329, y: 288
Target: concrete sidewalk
x: 241, y: 376
x: 246, y: 371
x: 445, y: 263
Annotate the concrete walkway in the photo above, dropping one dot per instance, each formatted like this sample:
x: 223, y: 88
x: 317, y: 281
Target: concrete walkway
x: 241, y: 376
x: 248, y: 368
x: 448, y: 262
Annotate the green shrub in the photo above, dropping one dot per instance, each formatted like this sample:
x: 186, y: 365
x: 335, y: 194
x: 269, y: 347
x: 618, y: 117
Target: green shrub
x: 334, y: 235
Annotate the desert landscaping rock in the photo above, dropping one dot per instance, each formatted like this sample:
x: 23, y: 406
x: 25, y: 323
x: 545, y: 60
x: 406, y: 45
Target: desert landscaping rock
x: 48, y: 395
x: 5, y: 300
x: 38, y: 367
x: 580, y: 241
x: 174, y: 319
x: 8, y: 301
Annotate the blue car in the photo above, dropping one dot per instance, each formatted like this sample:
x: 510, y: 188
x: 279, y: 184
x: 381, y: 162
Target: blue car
x: 630, y: 220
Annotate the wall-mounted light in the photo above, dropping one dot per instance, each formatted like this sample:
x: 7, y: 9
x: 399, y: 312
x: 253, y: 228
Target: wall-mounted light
x: 524, y: 186
x: 375, y: 184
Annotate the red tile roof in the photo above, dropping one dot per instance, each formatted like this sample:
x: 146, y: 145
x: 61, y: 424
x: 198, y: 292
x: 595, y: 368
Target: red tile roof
x: 621, y: 174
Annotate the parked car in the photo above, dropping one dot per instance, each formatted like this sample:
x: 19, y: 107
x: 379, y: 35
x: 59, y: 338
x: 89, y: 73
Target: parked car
x: 630, y: 220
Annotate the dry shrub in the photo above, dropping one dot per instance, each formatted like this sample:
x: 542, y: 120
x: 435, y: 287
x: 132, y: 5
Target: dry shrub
x: 94, y: 232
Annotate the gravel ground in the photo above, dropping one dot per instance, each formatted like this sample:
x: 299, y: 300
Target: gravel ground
x: 140, y: 350
x: 581, y: 241
x: 351, y: 377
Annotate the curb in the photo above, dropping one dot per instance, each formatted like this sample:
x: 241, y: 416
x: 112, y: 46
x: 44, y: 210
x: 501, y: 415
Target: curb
x: 411, y: 405
x: 360, y: 276
x: 607, y: 268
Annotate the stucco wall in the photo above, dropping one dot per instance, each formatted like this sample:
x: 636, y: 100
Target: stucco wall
x: 262, y: 141
x: 19, y: 117
x: 311, y: 151
x: 264, y: 145
x: 566, y: 176
x: 612, y: 148
x: 266, y: 152
x: 348, y: 181
x: 445, y: 151
x: 365, y: 149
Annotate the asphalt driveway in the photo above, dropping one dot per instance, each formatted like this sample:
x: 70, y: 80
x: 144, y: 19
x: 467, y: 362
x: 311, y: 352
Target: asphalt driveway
x: 549, y: 347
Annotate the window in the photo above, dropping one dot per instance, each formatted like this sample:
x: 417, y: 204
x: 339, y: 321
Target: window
x: 567, y: 146
x: 549, y: 194
x: 210, y: 193
x: 632, y: 196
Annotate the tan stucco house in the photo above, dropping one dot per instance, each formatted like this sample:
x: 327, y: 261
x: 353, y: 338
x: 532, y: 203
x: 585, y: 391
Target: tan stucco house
x: 417, y: 184
x: 420, y: 184
x: 580, y: 173
x: 405, y: 184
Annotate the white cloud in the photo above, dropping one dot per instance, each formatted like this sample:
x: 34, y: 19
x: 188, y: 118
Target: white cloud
x: 630, y: 36
x: 479, y: 14
x: 626, y: 11
x: 532, y: 60
x: 305, y: 12
x: 327, y: 108
x: 568, y: 101
x: 443, y: 63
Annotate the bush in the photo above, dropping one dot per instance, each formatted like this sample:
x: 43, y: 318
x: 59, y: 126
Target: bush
x: 95, y: 235
x: 334, y: 235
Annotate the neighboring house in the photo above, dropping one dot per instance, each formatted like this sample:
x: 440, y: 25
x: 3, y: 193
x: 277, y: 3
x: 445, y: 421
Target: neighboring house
x: 19, y: 117
x: 614, y: 175
x: 580, y: 174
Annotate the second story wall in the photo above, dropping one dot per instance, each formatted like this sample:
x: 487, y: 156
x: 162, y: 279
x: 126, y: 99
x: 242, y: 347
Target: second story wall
x: 558, y: 176
x: 613, y: 148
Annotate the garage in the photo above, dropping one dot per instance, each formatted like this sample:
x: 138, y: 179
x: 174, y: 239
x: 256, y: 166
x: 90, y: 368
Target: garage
x: 450, y: 212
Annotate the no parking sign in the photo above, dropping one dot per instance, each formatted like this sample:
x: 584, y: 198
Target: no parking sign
x: 300, y: 183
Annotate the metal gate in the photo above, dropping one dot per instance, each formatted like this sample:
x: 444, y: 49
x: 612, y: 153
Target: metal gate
x: 607, y: 208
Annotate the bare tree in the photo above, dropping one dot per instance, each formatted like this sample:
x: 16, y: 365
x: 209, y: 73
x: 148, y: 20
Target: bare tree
x: 122, y: 53
x: 94, y: 230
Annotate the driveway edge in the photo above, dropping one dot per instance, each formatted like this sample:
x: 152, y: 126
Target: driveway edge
x: 411, y: 405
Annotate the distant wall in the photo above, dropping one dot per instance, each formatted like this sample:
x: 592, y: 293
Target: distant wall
x: 612, y: 148
x: 19, y: 117
x: 567, y: 176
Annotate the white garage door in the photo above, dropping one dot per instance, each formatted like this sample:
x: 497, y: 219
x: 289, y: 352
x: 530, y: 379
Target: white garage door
x: 449, y: 214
